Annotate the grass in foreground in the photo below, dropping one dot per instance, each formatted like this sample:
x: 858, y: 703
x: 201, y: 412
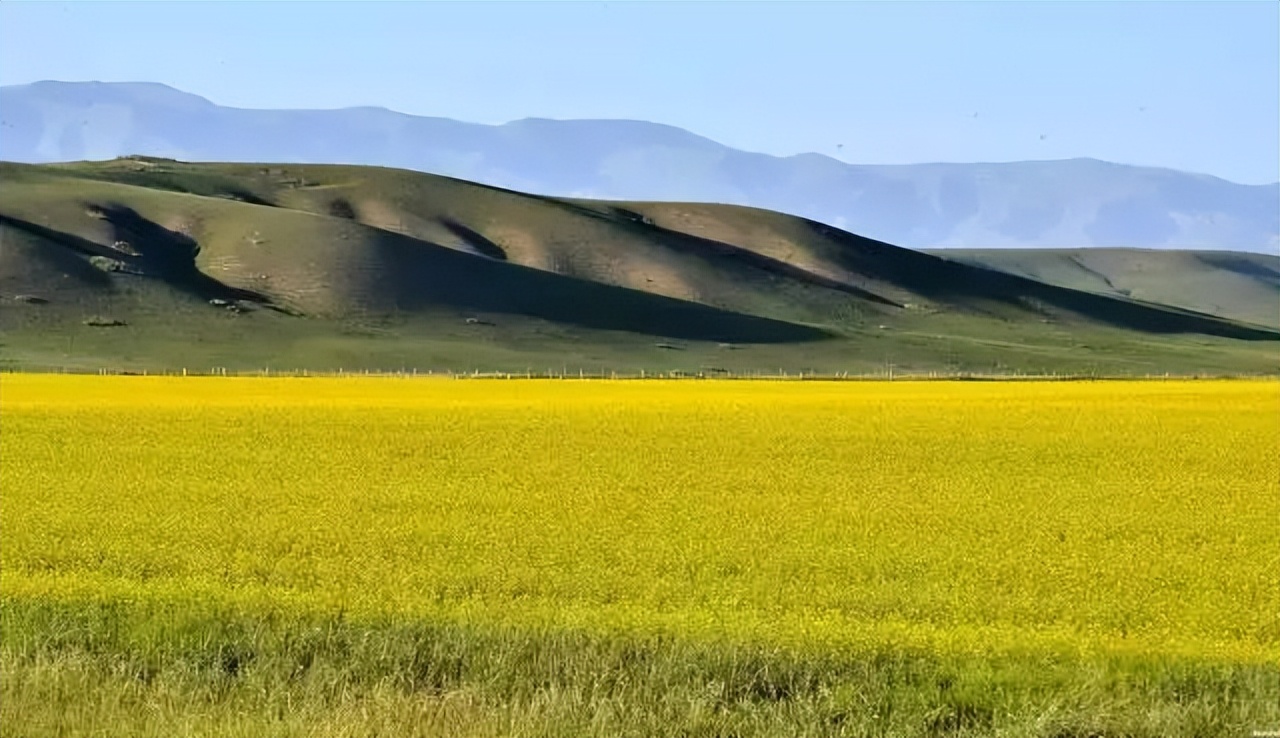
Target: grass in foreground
x: 393, y: 557
x: 162, y: 670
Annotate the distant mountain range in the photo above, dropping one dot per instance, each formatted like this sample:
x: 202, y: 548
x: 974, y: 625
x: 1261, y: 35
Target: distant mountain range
x: 1071, y: 203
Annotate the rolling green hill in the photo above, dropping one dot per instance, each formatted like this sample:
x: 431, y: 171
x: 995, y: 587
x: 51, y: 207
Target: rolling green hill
x: 142, y: 262
x: 1237, y: 285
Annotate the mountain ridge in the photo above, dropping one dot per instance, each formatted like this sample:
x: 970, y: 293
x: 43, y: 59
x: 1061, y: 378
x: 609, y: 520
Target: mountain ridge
x: 1061, y: 203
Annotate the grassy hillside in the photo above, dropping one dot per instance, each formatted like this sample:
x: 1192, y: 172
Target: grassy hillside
x: 156, y: 263
x: 1237, y: 285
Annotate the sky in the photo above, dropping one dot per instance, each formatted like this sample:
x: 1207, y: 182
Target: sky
x: 1186, y: 85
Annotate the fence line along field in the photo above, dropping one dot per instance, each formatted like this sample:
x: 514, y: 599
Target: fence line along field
x: 372, y: 556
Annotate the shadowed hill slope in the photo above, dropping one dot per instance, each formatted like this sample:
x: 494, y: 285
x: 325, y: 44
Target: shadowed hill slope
x: 342, y: 244
x: 1237, y: 285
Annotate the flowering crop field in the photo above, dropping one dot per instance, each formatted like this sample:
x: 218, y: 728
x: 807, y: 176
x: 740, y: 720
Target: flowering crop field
x: 400, y: 556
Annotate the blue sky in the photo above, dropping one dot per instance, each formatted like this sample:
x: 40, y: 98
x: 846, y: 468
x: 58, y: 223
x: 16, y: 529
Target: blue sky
x: 1187, y: 85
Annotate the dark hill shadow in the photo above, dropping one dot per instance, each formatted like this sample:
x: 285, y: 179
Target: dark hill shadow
x: 151, y: 251
x: 964, y: 286
x: 717, y: 252
x: 482, y: 245
x: 1243, y: 266
x: 53, y: 257
x: 420, y: 274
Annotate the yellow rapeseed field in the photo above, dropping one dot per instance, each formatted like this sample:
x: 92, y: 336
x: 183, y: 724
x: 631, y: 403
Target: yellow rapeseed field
x: 1109, y: 517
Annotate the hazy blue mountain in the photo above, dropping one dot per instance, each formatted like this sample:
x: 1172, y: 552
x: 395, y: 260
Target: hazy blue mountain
x: 1078, y: 202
